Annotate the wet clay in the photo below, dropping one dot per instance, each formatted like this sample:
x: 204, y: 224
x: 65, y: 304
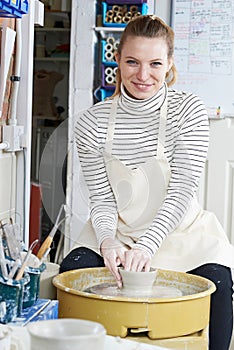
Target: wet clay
x: 138, y: 281
x: 157, y: 291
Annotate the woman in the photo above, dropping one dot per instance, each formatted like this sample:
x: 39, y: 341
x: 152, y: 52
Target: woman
x: 142, y: 154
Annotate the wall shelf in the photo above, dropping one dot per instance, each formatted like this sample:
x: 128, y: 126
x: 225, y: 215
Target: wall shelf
x: 52, y: 29
x: 104, y: 31
x: 51, y: 59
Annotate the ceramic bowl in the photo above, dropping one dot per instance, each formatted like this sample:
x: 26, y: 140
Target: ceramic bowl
x: 67, y: 333
x: 138, y: 281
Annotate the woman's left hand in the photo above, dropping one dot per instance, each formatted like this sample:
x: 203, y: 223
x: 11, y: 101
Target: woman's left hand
x: 137, y: 260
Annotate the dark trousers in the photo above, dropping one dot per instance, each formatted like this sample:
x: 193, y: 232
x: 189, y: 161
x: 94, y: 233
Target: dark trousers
x: 221, y: 313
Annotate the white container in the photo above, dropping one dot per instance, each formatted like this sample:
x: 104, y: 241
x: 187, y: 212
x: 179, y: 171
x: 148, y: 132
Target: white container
x: 8, y: 341
x: 47, y: 289
x: 67, y: 334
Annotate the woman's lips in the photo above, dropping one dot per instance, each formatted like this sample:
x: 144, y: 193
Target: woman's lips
x: 141, y: 86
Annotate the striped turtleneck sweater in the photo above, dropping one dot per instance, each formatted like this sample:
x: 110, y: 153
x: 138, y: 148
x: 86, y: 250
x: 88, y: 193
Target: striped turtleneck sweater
x: 135, y: 141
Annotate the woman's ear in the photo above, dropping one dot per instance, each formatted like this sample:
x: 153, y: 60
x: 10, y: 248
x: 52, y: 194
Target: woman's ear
x: 117, y: 57
x: 170, y: 62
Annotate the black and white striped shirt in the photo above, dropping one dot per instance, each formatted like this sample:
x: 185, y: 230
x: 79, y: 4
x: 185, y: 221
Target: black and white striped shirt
x: 135, y: 141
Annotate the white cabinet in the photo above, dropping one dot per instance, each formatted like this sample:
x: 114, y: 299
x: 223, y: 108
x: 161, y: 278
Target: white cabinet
x: 217, y: 186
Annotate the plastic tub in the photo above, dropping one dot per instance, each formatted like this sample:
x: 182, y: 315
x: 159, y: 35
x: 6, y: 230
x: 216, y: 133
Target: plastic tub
x: 108, y: 76
x: 102, y: 94
x: 105, y: 61
x: 141, y: 8
x: 15, y: 9
x: 123, y: 2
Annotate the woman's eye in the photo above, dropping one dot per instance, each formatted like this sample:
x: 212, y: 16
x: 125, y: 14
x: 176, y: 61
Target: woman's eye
x: 156, y: 64
x: 131, y: 62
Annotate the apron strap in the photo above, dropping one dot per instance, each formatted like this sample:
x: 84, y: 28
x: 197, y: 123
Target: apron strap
x: 111, y: 125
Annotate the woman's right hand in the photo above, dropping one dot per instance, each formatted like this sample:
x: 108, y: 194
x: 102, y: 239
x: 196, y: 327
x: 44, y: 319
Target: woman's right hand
x: 113, y: 254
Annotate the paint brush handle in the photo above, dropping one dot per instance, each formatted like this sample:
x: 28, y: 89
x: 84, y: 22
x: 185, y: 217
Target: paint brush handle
x: 25, y: 262
x: 14, y: 268
x: 48, y: 241
x: 45, y: 245
x: 21, y: 270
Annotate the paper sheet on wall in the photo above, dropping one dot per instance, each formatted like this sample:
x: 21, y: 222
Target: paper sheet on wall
x: 7, y: 46
x: 204, y: 55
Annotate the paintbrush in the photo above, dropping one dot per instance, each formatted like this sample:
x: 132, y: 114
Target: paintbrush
x: 3, y: 260
x: 48, y: 241
x: 25, y: 261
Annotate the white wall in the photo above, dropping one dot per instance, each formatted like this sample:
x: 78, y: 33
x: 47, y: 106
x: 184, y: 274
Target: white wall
x: 7, y: 185
x: 80, y: 97
x: 162, y: 9
x: 15, y: 167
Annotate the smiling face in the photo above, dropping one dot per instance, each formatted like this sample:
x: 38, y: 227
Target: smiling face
x: 143, y: 65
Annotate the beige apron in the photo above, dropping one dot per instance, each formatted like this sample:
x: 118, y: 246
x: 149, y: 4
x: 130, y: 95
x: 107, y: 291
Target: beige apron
x: 140, y: 192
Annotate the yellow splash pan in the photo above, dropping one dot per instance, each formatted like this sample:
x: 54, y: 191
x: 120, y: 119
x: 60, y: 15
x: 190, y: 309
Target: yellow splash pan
x: 160, y: 318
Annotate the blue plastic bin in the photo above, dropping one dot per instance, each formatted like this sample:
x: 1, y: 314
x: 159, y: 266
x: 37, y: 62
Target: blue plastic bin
x: 13, y: 8
x: 101, y: 94
x: 142, y: 8
x: 123, y: 2
x: 104, y: 60
x: 108, y: 80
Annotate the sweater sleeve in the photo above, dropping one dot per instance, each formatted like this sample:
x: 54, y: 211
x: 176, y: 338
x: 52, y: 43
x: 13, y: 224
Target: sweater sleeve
x: 189, y: 157
x: 103, y: 211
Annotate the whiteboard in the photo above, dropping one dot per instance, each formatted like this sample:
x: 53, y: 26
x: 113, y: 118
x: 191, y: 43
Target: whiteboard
x: 204, y: 53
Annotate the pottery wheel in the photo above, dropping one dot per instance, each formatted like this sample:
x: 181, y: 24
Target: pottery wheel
x: 157, y: 291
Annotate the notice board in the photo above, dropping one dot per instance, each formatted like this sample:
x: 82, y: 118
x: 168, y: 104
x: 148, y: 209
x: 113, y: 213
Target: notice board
x: 204, y: 51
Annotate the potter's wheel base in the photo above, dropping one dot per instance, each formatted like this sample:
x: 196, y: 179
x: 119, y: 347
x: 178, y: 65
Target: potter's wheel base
x: 164, y: 318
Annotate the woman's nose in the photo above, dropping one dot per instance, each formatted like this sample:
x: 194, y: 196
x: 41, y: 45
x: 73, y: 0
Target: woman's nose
x: 142, y: 73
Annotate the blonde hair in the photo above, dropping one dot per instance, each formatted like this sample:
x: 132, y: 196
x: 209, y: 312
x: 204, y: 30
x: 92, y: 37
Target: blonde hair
x: 148, y: 26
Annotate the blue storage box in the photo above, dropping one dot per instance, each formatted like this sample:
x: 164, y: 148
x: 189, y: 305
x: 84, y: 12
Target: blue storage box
x: 102, y: 94
x: 125, y: 2
x: 108, y: 51
x: 108, y: 76
x: 13, y: 8
x: 120, y: 15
